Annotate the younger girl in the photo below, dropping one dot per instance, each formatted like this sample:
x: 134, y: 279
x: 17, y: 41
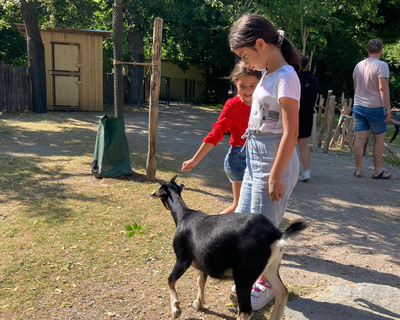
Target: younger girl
x: 272, y: 162
x: 234, y: 117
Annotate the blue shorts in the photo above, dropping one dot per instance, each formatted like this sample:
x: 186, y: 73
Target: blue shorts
x: 370, y: 119
x: 235, y: 164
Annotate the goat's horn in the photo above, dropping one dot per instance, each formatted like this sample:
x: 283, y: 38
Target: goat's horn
x: 174, y: 178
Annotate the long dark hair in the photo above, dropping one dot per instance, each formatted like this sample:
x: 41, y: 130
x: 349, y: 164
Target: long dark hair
x: 250, y: 27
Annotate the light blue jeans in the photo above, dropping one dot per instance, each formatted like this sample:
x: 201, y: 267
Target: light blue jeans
x: 261, y: 150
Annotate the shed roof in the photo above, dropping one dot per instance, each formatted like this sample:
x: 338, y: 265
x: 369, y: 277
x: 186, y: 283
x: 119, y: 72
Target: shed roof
x: 104, y: 34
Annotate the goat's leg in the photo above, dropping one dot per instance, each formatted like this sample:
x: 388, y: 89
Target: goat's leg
x: 177, y: 272
x: 244, y: 283
x: 271, y: 272
x: 201, y: 283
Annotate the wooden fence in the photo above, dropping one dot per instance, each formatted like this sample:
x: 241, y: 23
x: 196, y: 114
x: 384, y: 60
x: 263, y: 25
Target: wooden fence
x: 345, y: 127
x: 15, y: 89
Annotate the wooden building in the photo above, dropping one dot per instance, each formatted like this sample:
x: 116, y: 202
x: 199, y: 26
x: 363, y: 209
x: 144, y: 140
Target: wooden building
x: 74, y: 68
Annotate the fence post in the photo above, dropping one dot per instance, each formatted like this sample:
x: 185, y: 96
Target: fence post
x: 331, y: 120
x: 324, y: 121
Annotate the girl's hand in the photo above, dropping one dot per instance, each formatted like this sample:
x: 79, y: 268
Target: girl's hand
x: 188, y: 165
x: 276, y: 189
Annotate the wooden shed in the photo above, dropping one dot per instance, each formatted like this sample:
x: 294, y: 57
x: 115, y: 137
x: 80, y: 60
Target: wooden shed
x: 74, y: 68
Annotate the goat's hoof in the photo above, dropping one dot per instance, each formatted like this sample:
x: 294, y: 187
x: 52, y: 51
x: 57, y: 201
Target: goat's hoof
x: 244, y: 316
x: 176, y: 312
x: 197, y: 304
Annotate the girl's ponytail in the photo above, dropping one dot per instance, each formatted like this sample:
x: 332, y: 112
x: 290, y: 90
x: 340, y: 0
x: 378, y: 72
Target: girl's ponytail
x: 290, y: 54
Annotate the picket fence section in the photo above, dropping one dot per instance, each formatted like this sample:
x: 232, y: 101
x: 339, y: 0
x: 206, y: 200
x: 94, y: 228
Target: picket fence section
x: 15, y: 89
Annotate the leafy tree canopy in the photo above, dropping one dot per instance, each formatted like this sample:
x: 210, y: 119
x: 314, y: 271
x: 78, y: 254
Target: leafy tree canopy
x: 196, y: 31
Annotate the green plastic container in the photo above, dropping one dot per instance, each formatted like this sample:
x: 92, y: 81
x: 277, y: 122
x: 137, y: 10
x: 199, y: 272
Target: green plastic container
x: 111, y: 152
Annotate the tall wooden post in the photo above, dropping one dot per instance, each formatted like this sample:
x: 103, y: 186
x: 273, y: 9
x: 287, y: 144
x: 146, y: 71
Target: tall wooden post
x: 331, y: 119
x: 325, y: 119
x: 155, y: 82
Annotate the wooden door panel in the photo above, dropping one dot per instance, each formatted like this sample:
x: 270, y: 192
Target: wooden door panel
x: 66, y: 57
x: 66, y: 91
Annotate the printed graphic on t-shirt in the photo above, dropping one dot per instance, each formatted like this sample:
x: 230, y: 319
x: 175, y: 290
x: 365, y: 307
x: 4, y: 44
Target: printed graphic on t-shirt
x: 265, y: 114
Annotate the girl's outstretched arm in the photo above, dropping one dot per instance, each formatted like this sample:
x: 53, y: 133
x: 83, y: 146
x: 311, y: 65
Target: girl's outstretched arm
x: 290, y: 121
x: 203, y: 150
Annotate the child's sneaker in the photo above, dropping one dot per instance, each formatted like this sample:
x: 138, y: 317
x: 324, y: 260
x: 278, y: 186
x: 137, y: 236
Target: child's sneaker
x: 261, y: 295
x: 305, y: 176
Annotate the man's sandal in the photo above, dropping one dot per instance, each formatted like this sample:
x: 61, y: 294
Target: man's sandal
x: 382, y: 175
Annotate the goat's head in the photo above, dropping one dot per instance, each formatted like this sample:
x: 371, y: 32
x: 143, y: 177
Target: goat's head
x: 164, y: 192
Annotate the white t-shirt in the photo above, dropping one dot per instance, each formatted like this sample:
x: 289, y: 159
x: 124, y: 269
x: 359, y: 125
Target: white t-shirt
x: 367, y: 73
x: 266, y: 112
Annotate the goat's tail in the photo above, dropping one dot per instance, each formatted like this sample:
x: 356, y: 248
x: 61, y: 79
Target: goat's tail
x: 293, y: 229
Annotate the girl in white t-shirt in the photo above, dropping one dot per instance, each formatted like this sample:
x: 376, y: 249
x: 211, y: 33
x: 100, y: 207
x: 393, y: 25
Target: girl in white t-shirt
x: 272, y: 163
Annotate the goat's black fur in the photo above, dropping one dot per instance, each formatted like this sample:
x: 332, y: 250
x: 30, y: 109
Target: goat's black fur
x: 227, y: 246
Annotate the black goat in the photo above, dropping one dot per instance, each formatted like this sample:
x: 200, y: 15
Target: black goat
x: 236, y: 245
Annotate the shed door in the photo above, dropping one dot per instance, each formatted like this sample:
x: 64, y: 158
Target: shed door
x: 66, y: 76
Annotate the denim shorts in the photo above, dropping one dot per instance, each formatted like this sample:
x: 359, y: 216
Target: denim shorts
x: 370, y: 119
x: 261, y: 150
x: 235, y: 163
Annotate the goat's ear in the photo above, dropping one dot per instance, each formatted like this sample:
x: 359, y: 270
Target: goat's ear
x: 161, y: 182
x: 181, y: 185
x: 174, y: 178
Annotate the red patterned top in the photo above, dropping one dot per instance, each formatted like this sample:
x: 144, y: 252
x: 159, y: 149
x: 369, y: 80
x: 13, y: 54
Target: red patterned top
x: 235, y: 118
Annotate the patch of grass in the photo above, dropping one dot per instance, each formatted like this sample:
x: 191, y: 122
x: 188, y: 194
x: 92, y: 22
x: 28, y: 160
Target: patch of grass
x: 298, y: 291
x: 59, y: 226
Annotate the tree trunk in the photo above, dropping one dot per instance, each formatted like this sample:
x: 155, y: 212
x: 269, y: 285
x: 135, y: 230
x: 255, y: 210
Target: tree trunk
x: 35, y: 49
x: 136, y: 73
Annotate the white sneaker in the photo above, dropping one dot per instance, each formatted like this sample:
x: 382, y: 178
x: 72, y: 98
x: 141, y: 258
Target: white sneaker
x: 305, y: 176
x: 261, y: 295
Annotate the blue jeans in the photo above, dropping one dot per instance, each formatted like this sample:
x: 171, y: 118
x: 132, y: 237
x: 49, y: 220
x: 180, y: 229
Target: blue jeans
x: 235, y: 163
x: 261, y: 150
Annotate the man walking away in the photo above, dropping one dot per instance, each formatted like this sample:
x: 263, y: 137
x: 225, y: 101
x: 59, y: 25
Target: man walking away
x: 371, y: 107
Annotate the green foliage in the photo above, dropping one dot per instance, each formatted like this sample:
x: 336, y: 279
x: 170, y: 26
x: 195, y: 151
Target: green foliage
x: 12, y: 45
x: 135, y: 228
x: 195, y: 32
